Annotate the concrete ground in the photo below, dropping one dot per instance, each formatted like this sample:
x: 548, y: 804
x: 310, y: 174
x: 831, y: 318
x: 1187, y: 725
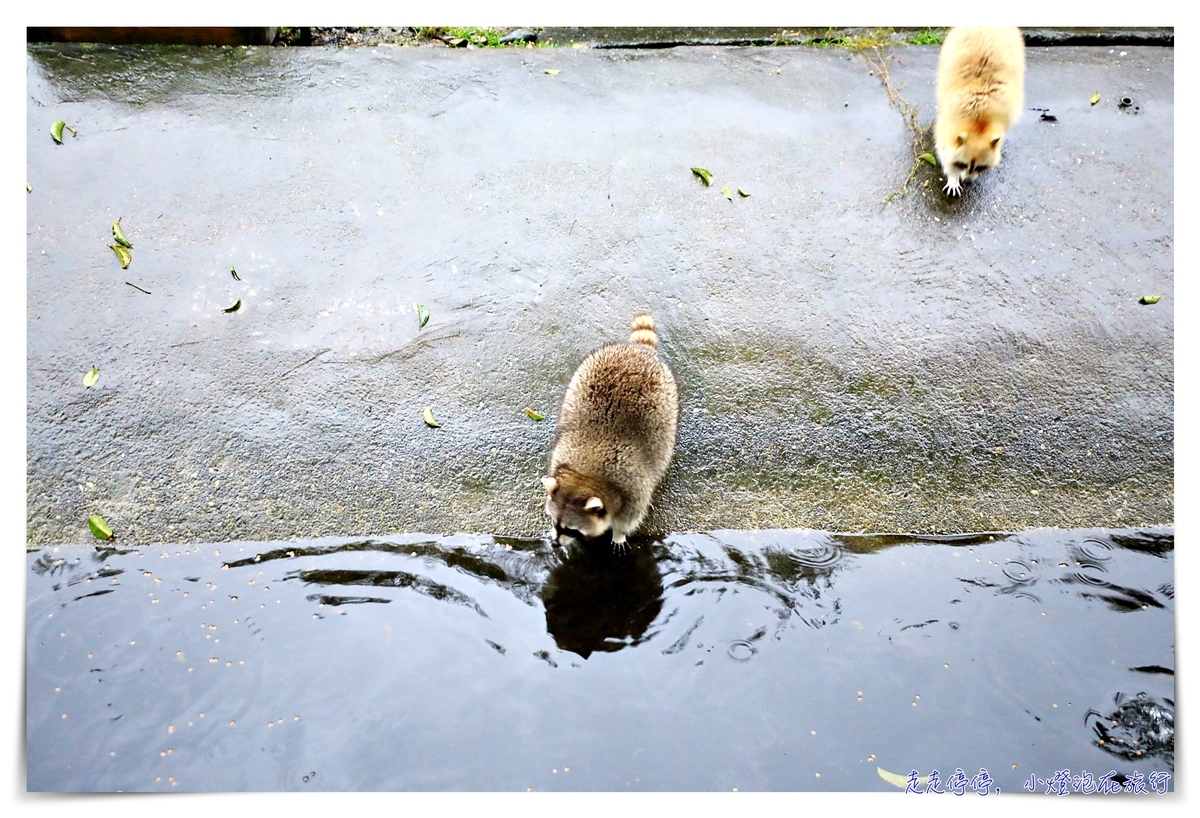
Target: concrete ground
x: 845, y: 363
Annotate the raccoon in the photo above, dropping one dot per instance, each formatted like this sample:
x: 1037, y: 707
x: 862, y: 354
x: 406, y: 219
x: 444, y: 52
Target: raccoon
x: 980, y: 93
x: 615, y: 437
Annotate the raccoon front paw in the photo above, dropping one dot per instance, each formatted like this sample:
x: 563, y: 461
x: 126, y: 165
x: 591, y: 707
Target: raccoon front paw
x: 953, y: 186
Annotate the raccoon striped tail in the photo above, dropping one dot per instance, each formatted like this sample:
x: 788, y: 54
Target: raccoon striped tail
x: 644, y: 332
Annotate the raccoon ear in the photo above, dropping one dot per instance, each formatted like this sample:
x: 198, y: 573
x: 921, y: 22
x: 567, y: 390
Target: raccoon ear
x: 550, y: 483
x: 594, y: 504
x: 961, y: 139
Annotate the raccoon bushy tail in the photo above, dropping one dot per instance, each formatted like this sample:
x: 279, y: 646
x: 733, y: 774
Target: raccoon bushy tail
x: 644, y: 332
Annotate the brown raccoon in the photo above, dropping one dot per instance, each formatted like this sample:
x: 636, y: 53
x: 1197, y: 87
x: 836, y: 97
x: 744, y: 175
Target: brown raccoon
x: 615, y: 437
x: 980, y: 93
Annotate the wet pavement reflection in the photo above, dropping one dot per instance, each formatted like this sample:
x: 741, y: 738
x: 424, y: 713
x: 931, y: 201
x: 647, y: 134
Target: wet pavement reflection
x: 761, y: 660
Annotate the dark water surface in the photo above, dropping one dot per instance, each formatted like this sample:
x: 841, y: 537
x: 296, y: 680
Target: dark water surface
x: 763, y: 660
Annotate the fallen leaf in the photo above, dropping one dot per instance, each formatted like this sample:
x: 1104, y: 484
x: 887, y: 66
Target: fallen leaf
x: 233, y: 273
x: 123, y: 254
x: 73, y: 131
x: 422, y: 316
x: 553, y: 71
x: 234, y: 307
x: 1150, y: 299
x: 428, y: 417
x: 727, y: 193
x: 119, y: 235
x: 745, y: 194
x: 90, y: 378
x: 703, y: 174
x: 99, y: 527
x: 928, y: 157
x: 28, y: 188
x: 900, y: 781
x: 56, y: 131
x: 534, y: 415
x: 1095, y: 98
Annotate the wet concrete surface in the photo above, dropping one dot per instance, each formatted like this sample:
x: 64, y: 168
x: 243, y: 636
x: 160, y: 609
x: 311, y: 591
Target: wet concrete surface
x: 765, y: 660
x: 844, y: 363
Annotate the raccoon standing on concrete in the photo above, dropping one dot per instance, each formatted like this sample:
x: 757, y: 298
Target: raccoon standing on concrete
x: 980, y: 93
x: 615, y: 437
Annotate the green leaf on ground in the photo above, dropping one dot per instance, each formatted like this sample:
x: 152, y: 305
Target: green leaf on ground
x: 122, y: 254
x: 928, y: 157
x: 534, y: 415
x: 703, y: 174
x: 427, y: 415
x: 234, y: 307
x: 99, y: 527
x: 90, y: 378
x: 119, y: 235
x: 422, y: 316
x: 553, y: 71
x: 28, y: 188
x: 56, y: 131
x: 727, y: 193
x: 745, y: 194
x: 1150, y: 299
x: 1095, y: 98
x: 233, y: 273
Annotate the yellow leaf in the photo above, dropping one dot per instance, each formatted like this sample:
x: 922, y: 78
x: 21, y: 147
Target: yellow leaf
x: 900, y: 781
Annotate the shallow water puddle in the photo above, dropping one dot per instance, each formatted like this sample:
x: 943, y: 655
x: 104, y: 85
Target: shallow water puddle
x: 765, y: 660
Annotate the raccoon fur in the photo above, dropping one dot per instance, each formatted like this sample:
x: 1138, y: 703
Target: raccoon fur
x: 980, y: 94
x: 615, y: 437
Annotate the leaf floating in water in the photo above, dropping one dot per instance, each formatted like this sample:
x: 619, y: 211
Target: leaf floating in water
x: 727, y: 193
x: 56, y: 131
x: 703, y: 174
x: 745, y: 194
x: 1149, y: 299
x: 119, y: 235
x: 534, y: 415
x: 90, y: 378
x: 928, y: 157
x: 553, y: 71
x: 99, y: 527
x: 123, y: 254
x: 428, y: 417
x: 234, y: 307
x: 233, y: 273
x: 900, y: 781
x: 422, y: 316
x: 1095, y: 98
